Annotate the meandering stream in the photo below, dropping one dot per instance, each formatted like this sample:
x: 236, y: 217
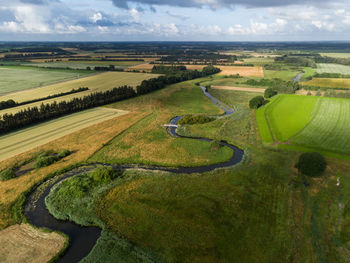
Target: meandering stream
x: 82, y: 239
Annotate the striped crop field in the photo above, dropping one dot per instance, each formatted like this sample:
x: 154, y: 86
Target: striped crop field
x: 305, y: 122
x: 329, y: 127
x: 333, y: 68
x: 29, y: 138
x: 95, y: 83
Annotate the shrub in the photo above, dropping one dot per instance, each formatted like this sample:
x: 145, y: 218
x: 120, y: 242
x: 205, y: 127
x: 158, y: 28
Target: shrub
x: 195, y: 119
x: 63, y: 154
x: 270, y: 92
x: 311, y: 164
x: 256, y: 102
x: 45, y: 161
x: 7, y: 174
x: 103, y: 174
x: 215, y: 145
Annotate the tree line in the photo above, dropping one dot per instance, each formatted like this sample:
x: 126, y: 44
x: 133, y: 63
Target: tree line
x: 11, y: 103
x: 45, y: 112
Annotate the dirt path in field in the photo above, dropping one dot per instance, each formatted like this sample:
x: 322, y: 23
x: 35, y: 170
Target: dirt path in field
x: 24, y: 243
x: 239, y: 89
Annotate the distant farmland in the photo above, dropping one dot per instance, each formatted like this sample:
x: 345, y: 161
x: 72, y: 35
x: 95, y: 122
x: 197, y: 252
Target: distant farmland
x: 100, y: 82
x: 329, y: 83
x: 21, y: 78
x: 26, y: 139
x: 333, y: 68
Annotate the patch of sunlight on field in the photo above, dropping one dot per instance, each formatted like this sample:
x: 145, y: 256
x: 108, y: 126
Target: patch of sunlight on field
x: 332, y: 68
x: 329, y: 127
x: 288, y: 114
x: 14, y: 79
x: 96, y: 83
x: 26, y: 139
x: 336, y: 55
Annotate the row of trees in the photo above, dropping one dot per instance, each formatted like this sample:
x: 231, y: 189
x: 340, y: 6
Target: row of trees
x: 49, y: 111
x: 162, y: 81
x: 282, y: 86
x: 11, y: 103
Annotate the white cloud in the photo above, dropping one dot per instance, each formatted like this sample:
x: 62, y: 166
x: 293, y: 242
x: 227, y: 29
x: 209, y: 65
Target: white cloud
x: 96, y: 17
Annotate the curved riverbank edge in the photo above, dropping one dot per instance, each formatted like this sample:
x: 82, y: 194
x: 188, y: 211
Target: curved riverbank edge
x: 82, y: 239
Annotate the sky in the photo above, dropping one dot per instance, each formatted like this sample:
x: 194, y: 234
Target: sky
x: 174, y: 20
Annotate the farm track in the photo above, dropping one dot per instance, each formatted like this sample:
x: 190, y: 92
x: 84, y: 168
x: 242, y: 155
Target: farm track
x: 82, y: 239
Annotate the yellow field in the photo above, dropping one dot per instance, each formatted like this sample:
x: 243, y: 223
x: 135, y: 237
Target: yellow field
x: 29, y: 138
x: 242, y: 71
x: 329, y: 83
x: 82, y: 143
x: 99, y: 82
x: 24, y: 243
x: 225, y: 70
x: 257, y: 90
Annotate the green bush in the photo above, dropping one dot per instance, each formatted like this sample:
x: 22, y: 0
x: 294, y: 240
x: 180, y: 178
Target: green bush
x: 103, y: 174
x: 195, y: 119
x: 270, y: 92
x: 45, y: 161
x: 312, y: 164
x: 215, y: 145
x: 256, y: 102
x: 63, y: 154
x: 7, y: 174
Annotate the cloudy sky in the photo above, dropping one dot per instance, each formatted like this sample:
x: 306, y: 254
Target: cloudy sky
x: 190, y: 20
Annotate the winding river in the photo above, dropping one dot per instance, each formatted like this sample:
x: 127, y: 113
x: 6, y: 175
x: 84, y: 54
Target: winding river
x: 82, y: 239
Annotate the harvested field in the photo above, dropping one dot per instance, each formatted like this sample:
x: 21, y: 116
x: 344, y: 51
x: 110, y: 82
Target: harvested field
x: 29, y: 138
x: 24, y: 243
x: 328, y: 83
x: 95, y: 83
x: 239, y: 89
x: 225, y: 70
x: 242, y: 71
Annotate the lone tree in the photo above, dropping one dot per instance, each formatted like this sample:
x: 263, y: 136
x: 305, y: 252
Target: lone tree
x: 256, y: 102
x: 270, y: 92
x: 311, y: 164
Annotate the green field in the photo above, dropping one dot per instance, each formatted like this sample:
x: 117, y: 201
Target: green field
x: 336, y: 55
x: 333, y: 68
x: 288, y: 114
x: 281, y: 74
x: 305, y: 122
x: 84, y: 64
x: 329, y: 127
x: 329, y: 83
x: 16, y: 78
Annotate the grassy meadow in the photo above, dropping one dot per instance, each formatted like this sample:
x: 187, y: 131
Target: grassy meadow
x: 149, y: 143
x: 16, y: 78
x: 333, y: 68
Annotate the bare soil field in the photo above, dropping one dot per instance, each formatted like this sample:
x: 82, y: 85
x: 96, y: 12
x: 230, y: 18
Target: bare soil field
x: 24, y: 243
x: 239, y: 89
x: 26, y: 139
